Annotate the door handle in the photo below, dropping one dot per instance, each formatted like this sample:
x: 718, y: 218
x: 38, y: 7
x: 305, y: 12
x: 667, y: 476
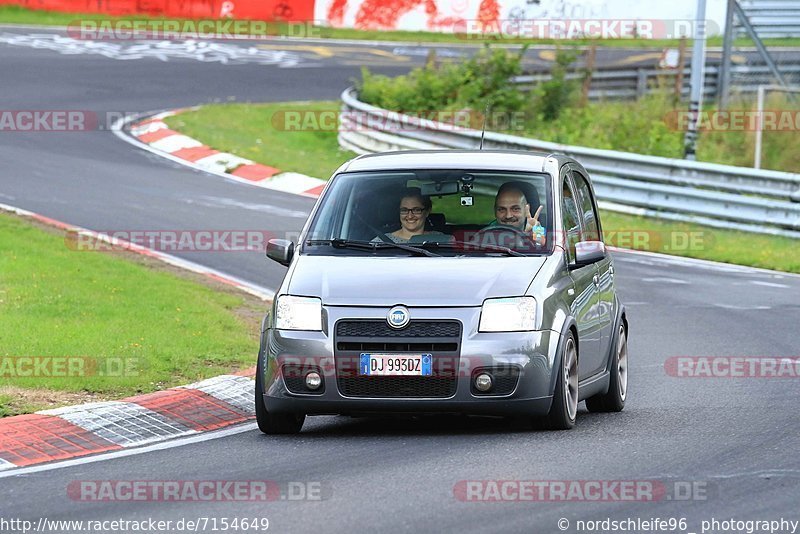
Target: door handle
x: 596, y: 280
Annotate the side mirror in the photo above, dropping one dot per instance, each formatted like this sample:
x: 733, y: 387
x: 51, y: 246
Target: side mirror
x: 588, y: 252
x: 280, y: 250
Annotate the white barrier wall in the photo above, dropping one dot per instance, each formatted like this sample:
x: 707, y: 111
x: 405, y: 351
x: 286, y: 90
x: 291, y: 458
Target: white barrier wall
x: 533, y: 18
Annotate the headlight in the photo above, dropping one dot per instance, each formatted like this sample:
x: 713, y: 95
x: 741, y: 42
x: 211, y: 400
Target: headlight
x: 298, y: 313
x: 514, y: 314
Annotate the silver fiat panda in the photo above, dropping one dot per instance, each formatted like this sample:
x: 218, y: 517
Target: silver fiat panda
x: 466, y: 282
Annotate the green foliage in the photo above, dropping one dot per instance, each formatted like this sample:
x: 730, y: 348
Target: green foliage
x: 478, y: 81
x: 550, y: 98
x: 550, y: 112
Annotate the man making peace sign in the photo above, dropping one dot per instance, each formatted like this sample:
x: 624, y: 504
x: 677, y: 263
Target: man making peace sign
x: 511, y: 208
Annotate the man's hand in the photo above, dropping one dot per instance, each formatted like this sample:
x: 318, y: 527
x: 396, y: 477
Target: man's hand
x: 532, y: 221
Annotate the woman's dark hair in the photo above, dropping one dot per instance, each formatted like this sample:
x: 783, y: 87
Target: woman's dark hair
x: 415, y: 192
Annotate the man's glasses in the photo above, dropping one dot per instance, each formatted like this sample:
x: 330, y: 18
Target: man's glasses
x: 415, y: 211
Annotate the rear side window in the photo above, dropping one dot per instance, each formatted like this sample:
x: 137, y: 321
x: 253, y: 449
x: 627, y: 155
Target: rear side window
x: 569, y: 211
x: 588, y: 213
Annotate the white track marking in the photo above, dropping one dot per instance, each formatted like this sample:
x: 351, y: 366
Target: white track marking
x: 189, y: 49
x: 218, y: 163
x: 768, y: 284
x: 216, y: 202
x: 6, y: 465
x: 173, y: 143
x: 664, y: 280
x: 742, y: 308
x: 715, y: 266
x: 199, y: 438
x: 292, y: 182
x: 150, y: 127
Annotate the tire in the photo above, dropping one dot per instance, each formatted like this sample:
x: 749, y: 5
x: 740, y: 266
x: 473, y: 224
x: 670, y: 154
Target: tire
x: 564, y: 409
x: 614, y: 399
x: 273, y: 423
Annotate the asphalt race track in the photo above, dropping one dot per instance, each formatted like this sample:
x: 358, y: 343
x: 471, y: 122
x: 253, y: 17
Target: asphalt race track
x: 736, y: 439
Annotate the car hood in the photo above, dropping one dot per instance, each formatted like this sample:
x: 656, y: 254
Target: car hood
x: 412, y: 281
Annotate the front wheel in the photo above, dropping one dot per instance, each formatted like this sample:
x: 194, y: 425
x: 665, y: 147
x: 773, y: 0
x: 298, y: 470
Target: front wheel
x: 565, y: 397
x: 614, y: 399
x: 273, y: 423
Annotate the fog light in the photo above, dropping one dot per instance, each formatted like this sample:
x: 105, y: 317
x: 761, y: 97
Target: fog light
x: 313, y: 380
x: 483, y: 382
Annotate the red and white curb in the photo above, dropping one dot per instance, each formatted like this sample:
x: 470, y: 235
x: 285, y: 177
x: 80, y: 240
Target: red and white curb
x: 154, y: 134
x: 87, y: 429
x: 75, y: 431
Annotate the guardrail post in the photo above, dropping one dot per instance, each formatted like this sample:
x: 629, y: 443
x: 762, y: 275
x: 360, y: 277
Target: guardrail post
x: 587, y: 76
x: 724, y: 73
x: 681, y: 68
x: 641, y: 83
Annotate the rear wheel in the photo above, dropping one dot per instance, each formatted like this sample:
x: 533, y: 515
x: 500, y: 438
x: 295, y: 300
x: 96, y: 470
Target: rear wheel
x: 273, y: 423
x: 565, y: 397
x: 614, y: 399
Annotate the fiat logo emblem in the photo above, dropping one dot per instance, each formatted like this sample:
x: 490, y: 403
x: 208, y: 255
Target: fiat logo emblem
x: 398, y: 317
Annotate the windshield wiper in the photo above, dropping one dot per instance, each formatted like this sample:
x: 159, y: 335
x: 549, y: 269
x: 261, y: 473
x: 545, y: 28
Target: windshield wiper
x: 463, y: 245
x: 369, y: 245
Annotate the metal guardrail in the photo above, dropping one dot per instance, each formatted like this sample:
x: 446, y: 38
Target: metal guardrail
x: 626, y: 84
x: 772, y: 18
x: 723, y: 196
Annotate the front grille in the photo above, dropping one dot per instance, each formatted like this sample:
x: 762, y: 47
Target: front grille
x: 397, y: 347
x: 398, y: 386
x: 439, y: 338
x: 379, y: 328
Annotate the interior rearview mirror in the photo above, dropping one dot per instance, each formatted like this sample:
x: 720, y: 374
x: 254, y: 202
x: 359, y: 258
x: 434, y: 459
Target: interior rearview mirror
x: 433, y: 189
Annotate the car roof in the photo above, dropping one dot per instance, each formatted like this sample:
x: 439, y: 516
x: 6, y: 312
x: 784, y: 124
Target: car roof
x: 512, y: 160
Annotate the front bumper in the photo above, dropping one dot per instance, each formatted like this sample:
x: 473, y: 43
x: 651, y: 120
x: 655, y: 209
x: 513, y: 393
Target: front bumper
x: 533, y: 353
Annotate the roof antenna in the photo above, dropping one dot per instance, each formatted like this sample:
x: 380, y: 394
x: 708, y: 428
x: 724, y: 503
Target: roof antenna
x: 483, y: 128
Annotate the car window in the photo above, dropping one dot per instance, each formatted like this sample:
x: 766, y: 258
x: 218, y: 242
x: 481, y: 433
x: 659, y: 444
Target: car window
x: 590, y: 225
x: 453, y: 205
x: 570, y: 218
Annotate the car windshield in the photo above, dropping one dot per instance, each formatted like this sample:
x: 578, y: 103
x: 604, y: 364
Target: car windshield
x: 434, y: 213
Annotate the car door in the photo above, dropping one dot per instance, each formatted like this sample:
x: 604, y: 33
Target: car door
x: 582, y: 298
x: 602, y: 307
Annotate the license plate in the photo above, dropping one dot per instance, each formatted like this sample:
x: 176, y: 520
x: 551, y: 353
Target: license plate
x: 396, y: 365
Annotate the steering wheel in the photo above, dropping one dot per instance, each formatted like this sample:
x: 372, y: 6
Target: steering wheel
x: 378, y: 232
x: 498, y: 231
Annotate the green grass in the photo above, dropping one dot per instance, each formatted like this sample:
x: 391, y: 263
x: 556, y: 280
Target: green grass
x: 249, y: 130
x: 20, y: 15
x: 107, y: 307
x: 696, y: 241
